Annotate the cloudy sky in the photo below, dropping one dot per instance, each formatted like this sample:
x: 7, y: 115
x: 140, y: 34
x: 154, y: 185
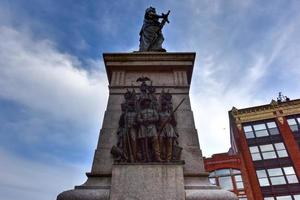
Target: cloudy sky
x: 53, y: 87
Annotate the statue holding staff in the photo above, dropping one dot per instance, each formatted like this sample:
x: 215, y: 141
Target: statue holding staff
x: 151, y: 37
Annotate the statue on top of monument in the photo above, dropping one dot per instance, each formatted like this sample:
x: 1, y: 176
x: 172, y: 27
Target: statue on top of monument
x: 151, y: 37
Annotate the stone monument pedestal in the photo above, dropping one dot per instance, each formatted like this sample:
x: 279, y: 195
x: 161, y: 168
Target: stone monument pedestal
x: 147, y: 181
x: 170, y: 72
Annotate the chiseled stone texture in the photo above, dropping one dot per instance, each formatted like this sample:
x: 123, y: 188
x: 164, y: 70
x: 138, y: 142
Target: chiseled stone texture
x: 84, y: 194
x: 168, y: 71
x: 210, y: 194
x: 147, y: 182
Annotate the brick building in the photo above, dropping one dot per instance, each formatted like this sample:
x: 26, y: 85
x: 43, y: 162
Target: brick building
x: 225, y: 172
x: 265, y: 149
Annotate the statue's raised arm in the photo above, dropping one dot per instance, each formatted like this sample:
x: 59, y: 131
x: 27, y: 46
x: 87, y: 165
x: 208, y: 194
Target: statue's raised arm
x: 151, y: 37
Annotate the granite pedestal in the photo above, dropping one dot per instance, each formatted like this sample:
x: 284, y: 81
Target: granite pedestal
x: 147, y: 182
x: 168, y: 71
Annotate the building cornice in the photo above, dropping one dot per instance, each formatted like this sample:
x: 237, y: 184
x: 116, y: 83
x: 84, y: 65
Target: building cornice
x: 273, y: 110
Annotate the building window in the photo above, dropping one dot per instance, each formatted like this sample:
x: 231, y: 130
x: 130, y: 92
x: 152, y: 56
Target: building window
x: 276, y: 176
x: 297, y: 197
x: 228, y: 179
x: 287, y: 197
x: 243, y: 197
x: 261, y: 130
x: 290, y: 175
x: 239, y: 182
x: 268, y: 151
x: 294, y: 124
x: 262, y: 177
x: 212, y: 181
x: 225, y: 182
x: 248, y: 132
x: 222, y: 178
x: 280, y: 150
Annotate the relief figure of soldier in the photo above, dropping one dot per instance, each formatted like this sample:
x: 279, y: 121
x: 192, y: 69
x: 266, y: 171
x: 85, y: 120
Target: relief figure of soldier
x: 168, y: 135
x: 126, y: 149
x: 147, y: 119
x: 119, y: 152
x: 131, y: 131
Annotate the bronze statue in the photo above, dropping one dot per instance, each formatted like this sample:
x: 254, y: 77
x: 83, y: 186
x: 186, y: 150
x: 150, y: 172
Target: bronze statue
x: 154, y: 102
x: 126, y: 149
x: 131, y: 131
x: 147, y: 128
x: 147, y: 119
x: 151, y: 37
x: 167, y: 134
x: 119, y: 152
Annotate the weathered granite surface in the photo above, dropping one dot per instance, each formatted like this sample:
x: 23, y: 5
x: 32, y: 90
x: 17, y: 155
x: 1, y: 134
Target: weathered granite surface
x: 147, y: 182
x: 84, y: 194
x: 209, y: 194
x: 173, y: 72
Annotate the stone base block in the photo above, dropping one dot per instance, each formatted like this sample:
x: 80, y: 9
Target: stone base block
x: 151, y: 181
x: 147, y: 182
x: 209, y: 194
x: 84, y: 194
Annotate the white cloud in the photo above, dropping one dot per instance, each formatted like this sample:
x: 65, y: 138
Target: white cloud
x: 36, y: 74
x: 35, y: 181
x: 224, y: 79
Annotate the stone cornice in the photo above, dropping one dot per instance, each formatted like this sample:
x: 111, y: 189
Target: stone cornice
x: 150, y: 56
x: 150, y: 61
x: 272, y: 110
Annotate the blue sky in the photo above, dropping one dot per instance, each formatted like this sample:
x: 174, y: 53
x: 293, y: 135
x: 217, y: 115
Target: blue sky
x: 53, y: 87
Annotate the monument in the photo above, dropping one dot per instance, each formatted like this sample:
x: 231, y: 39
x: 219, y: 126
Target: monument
x: 148, y: 146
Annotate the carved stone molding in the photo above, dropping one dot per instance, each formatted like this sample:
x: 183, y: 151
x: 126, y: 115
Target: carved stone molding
x: 269, y: 111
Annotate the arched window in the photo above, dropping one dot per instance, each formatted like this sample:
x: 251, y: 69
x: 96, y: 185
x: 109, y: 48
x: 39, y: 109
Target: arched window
x: 228, y: 179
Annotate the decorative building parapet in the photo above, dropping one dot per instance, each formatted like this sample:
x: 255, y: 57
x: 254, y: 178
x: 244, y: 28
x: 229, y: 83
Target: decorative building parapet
x: 273, y: 110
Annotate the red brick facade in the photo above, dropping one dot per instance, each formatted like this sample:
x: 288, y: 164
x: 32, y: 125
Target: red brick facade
x: 226, y: 161
x: 277, y: 132
x: 291, y: 144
